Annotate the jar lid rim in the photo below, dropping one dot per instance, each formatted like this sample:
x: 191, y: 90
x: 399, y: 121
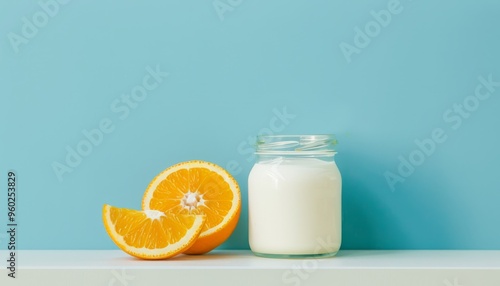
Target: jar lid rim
x: 311, y: 136
x: 298, y: 153
x: 318, y: 145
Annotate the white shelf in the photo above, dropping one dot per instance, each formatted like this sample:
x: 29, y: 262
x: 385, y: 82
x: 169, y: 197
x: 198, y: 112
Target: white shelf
x: 357, y: 268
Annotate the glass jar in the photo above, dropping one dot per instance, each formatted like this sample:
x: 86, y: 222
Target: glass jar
x: 294, y: 197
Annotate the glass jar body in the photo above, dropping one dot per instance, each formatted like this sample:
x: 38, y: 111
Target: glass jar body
x: 294, y: 204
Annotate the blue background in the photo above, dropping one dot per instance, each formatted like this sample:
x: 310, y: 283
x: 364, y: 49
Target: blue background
x: 227, y: 77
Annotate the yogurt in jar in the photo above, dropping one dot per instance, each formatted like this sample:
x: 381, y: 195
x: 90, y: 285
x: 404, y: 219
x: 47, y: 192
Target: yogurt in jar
x: 294, y: 207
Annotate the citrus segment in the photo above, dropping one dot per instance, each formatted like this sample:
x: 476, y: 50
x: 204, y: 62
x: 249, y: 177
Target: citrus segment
x: 198, y: 187
x: 151, y: 234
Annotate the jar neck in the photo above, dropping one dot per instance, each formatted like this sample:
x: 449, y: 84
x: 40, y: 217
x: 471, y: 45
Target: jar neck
x: 296, y: 146
x: 278, y: 159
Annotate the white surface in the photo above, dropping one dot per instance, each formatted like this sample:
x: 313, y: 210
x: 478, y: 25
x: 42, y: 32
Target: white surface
x: 294, y: 206
x: 387, y: 268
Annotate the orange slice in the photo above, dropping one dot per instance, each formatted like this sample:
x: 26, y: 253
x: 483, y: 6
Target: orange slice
x: 151, y: 234
x: 198, y: 187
